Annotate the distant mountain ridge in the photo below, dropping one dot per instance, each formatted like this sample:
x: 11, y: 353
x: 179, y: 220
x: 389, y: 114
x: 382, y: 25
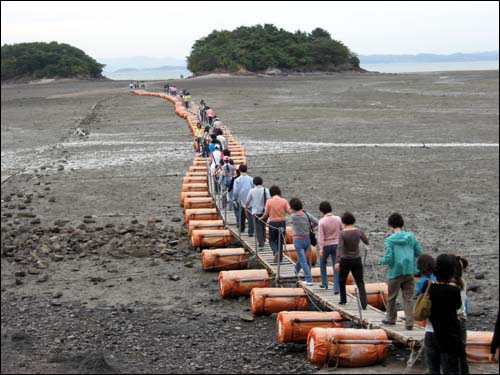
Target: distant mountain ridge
x: 429, y: 57
x: 141, y: 62
x: 159, y: 68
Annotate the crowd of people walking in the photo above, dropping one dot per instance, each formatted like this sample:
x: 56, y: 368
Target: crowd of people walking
x: 257, y: 207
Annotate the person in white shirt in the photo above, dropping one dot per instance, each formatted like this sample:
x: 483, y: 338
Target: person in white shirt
x: 256, y: 202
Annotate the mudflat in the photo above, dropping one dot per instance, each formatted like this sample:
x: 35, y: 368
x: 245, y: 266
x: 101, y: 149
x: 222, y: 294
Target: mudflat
x: 97, y: 271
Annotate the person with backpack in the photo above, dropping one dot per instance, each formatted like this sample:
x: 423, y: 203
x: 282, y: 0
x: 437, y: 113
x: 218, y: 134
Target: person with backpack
x: 401, y: 252
x: 256, y: 205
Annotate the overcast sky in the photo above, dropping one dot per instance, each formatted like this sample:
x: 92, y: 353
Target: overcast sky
x: 161, y: 29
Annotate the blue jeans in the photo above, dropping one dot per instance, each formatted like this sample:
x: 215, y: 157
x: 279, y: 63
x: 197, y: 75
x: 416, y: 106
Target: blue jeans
x: 301, y: 246
x: 330, y: 250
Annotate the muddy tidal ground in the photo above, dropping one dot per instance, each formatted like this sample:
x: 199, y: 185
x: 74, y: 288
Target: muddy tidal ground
x: 97, y: 273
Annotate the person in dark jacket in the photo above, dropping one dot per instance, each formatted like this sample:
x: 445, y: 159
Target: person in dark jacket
x: 445, y: 341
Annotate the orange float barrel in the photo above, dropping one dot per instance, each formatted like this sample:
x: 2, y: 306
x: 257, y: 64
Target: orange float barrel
x: 294, y: 326
x: 197, y: 168
x: 224, y: 259
x: 346, y: 347
x: 292, y: 253
x: 196, y: 202
x: 200, y: 163
x: 376, y: 293
x: 204, y: 224
x: 266, y: 301
x: 316, y: 275
x: 187, y: 194
x: 194, y: 179
x: 196, y: 173
x: 195, y: 187
x: 200, y: 214
x: 289, y: 235
x: 241, y: 283
x: 478, y: 346
x: 211, y: 238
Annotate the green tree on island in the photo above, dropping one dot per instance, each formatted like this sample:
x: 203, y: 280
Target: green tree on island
x: 260, y: 47
x: 47, y: 60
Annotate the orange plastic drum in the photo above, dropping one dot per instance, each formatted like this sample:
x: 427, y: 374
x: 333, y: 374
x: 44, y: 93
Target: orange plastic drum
x: 292, y: 254
x: 294, y: 326
x: 195, y: 187
x: 241, y: 283
x: 346, y: 347
x: 266, y: 301
x: 200, y: 214
x: 196, y: 202
x: 204, y: 224
x: 376, y: 293
x: 211, y: 238
x: 478, y: 346
x: 224, y: 259
x: 192, y: 194
x: 316, y: 275
x: 194, y: 179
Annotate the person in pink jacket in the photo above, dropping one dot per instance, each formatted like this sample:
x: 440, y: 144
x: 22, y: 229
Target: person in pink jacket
x: 329, y: 229
x: 210, y: 114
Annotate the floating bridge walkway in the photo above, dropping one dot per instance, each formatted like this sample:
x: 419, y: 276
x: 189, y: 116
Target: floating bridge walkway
x: 283, y: 272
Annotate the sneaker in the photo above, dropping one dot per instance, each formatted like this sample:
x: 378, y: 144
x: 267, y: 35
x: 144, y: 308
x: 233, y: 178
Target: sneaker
x: 323, y: 286
x: 409, y: 328
x: 336, y: 292
x: 308, y: 283
x: 387, y: 322
x: 342, y: 302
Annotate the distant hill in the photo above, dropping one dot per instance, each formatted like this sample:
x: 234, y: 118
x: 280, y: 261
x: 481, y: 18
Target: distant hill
x: 126, y: 70
x: 140, y: 62
x: 26, y: 61
x: 429, y: 57
x: 263, y: 48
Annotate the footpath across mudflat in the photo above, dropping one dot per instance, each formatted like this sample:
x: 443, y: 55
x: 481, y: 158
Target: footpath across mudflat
x: 96, y: 265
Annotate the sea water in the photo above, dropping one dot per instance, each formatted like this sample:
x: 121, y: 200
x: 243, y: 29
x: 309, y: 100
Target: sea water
x: 419, y: 67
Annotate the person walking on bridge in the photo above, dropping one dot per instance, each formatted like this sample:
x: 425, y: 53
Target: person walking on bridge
x: 349, y: 258
x: 241, y: 188
x: 302, y: 223
x: 275, y: 211
x: 257, y: 199
x: 329, y: 229
x: 401, y: 252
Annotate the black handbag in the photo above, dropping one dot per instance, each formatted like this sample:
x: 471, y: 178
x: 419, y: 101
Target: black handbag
x: 312, y: 235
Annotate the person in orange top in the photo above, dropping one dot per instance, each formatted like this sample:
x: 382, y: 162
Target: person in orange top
x: 276, y: 208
